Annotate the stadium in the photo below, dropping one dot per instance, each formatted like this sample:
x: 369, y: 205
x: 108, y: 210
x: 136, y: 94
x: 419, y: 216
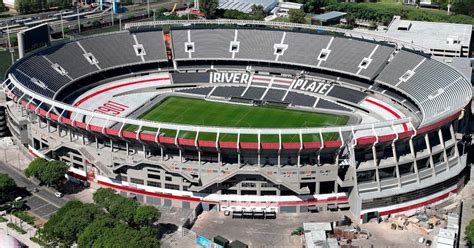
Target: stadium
x: 247, y: 116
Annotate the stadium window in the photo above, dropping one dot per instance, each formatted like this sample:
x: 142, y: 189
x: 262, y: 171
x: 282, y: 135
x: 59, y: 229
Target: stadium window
x: 122, y: 178
x: 154, y: 176
x: 153, y: 184
x: 137, y: 181
x: 169, y: 179
x: 171, y: 186
x: 153, y: 170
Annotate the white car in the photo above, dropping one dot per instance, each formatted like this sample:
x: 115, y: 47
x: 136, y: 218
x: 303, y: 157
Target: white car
x: 421, y: 240
x: 58, y: 194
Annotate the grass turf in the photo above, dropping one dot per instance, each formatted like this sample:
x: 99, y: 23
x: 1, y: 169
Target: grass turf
x: 182, y: 110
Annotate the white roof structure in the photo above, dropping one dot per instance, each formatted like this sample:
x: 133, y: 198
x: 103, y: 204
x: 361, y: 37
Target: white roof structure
x: 7, y: 241
x: 315, y: 226
x: 432, y: 35
x: 246, y: 5
x: 315, y: 234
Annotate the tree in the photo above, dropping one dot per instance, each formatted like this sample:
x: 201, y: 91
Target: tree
x: 146, y: 215
x: 296, y: 16
x: 209, y: 7
x: 7, y: 185
x: 469, y: 232
x: 103, y: 197
x: 53, y: 174
x: 93, y: 231
x: 50, y: 173
x: 257, y: 12
x: 69, y: 221
x: 120, y: 235
x: 35, y: 167
x: 235, y: 14
x: 465, y: 7
x: 123, y: 209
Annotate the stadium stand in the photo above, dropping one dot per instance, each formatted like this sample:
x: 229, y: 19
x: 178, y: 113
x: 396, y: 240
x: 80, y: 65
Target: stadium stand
x: 197, y: 91
x: 254, y: 93
x: 40, y: 76
x: 190, y: 78
x: 347, y: 94
x: 258, y: 44
x: 325, y: 104
x: 233, y: 91
x: 427, y: 81
x: 274, y: 95
x: 112, y: 50
x: 153, y: 44
x: 62, y: 55
x: 300, y: 99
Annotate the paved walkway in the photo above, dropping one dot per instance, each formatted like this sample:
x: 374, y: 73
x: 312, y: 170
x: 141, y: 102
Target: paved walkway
x: 467, y: 195
x: 24, y: 238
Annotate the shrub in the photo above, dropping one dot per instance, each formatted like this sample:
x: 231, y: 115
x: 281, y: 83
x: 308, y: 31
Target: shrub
x: 16, y: 228
x: 24, y: 216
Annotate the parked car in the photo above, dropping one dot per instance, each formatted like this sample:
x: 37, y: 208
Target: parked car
x: 421, y: 240
x: 33, y: 190
x: 58, y: 194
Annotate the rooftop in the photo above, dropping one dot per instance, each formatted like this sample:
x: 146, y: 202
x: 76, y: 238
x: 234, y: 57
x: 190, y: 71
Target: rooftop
x: 435, y: 35
x: 329, y: 16
x: 246, y: 5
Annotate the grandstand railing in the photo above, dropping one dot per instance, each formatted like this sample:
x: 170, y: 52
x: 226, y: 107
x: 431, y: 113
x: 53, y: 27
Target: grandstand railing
x: 355, y: 33
x: 33, y: 98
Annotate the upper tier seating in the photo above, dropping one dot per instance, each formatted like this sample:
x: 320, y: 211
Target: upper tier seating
x: 436, y: 87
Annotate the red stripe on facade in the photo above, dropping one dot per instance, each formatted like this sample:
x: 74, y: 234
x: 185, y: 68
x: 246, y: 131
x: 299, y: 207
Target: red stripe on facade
x: 388, y: 110
x: 417, y: 205
x: 93, y: 94
x: 155, y: 194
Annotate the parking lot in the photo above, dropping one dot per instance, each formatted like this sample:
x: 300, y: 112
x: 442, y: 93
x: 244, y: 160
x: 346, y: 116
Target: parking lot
x: 260, y: 232
x: 40, y: 207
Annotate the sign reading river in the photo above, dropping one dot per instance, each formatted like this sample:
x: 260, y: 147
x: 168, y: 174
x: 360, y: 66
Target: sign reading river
x: 230, y: 77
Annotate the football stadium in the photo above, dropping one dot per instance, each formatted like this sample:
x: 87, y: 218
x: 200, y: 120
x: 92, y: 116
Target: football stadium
x: 251, y: 117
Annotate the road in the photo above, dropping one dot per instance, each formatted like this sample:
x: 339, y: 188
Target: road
x: 42, y: 203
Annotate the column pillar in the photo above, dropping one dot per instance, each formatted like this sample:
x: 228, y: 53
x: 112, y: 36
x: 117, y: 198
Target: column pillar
x: 445, y: 154
x: 397, y: 169
x: 428, y: 146
x: 415, y: 164
x: 377, y: 176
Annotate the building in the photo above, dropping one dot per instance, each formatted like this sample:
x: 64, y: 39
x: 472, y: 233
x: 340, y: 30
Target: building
x: 333, y: 17
x: 398, y: 148
x: 284, y: 7
x: 246, y: 5
x: 442, y: 39
x: 10, y: 4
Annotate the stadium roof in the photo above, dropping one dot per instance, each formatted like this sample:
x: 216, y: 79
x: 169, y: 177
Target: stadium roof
x: 329, y: 16
x: 434, y: 35
x: 246, y: 5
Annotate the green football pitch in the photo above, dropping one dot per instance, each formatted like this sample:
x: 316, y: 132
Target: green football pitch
x: 182, y: 110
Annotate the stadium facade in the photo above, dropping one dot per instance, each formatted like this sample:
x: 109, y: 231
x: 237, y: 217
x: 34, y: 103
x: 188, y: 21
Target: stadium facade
x: 402, y: 147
